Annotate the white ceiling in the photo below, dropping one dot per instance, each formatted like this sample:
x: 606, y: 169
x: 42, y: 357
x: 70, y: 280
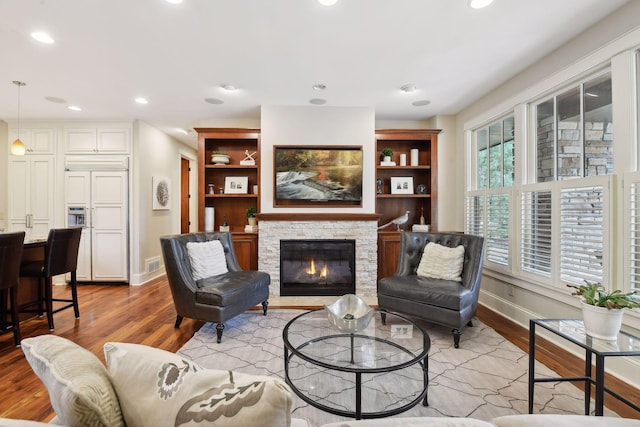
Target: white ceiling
x: 108, y: 52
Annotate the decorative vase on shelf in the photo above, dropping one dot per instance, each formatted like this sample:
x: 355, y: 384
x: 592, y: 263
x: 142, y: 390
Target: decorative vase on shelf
x: 601, y: 322
x: 386, y: 159
x: 219, y: 159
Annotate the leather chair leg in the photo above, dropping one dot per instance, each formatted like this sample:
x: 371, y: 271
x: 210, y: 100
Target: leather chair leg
x: 456, y: 337
x: 219, y: 329
x: 383, y: 316
x: 178, y: 321
x: 48, y: 289
x: 264, y: 307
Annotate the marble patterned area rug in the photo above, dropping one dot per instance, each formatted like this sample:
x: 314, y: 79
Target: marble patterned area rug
x: 485, y: 378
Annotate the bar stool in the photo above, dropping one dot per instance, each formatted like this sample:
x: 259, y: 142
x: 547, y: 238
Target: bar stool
x: 60, y: 257
x: 11, y: 245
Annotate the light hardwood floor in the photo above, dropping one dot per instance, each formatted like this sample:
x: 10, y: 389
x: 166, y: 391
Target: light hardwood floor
x: 145, y: 315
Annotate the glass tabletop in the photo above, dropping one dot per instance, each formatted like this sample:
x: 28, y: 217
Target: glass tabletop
x: 573, y: 330
x: 380, y: 347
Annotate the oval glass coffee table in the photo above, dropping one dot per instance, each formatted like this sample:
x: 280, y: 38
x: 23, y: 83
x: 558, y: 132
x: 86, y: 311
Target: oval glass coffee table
x: 377, y: 372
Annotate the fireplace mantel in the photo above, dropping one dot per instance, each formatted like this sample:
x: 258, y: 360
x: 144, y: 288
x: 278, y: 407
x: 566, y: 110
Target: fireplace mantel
x: 295, y: 216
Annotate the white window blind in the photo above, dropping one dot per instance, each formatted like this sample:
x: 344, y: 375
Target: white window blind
x: 497, y: 238
x: 536, y: 237
x: 474, y: 221
x: 633, y: 233
x: 582, y: 233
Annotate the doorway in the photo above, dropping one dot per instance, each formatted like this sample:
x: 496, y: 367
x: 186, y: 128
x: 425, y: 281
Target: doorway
x: 184, y: 196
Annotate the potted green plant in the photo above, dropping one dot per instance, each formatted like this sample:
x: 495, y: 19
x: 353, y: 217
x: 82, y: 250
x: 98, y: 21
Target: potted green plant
x: 219, y: 158
x: 386, y: 154
x: 602, y: 310
x: 251, y: 215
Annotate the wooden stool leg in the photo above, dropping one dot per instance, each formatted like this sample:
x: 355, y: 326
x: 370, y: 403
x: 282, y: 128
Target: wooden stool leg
x: 48, y: 289
x: 14, y: 316
x: 74, y: 294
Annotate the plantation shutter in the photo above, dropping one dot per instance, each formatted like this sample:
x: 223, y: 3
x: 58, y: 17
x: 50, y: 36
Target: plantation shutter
x: 633, y: 232
x: 582, y: 233
x: 497, y: 237
x: 474, y: 215
x: 536, y: 237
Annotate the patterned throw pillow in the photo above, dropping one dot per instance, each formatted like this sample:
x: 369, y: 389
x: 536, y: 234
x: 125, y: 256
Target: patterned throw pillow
x: 207, y: 259
x: 441, y: 262
x: 78, y: 383
x: 156, y: 388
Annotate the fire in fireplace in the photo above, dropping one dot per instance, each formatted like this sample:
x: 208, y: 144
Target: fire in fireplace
x: 317, y: 267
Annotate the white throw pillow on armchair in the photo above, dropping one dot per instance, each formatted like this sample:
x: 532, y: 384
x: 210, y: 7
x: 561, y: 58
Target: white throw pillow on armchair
x: 441, y: 262
x: 207, y: 259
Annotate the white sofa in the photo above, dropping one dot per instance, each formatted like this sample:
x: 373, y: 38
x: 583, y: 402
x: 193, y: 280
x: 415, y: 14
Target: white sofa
x: 143, y: 386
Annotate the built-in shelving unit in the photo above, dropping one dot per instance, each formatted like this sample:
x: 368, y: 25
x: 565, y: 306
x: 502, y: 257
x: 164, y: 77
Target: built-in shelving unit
x: 390, y: 206
x: 235, y: 142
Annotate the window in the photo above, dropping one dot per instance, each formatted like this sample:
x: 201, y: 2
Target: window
x: 574, y: 132
x: 495, y: 162
x: 552, y: 228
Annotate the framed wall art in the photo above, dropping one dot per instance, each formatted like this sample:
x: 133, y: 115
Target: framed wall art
x: 401, y: 185
x: 236, y: 185
x: 326, y: 176
x: 161, y: 193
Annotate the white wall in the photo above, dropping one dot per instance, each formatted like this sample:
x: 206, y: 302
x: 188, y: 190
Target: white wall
x: 317, y: 126
x: 4, y: 194
x: 156, y: 153
x: 511, y: 296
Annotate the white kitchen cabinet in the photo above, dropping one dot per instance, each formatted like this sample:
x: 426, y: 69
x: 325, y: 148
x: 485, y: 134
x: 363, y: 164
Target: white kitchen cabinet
x: 36, y: 141
x: 31, y: 195
x: 103, y: 195
x: 97, y: 141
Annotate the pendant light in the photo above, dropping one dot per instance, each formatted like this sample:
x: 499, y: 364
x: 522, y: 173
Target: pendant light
x: 17, y: 147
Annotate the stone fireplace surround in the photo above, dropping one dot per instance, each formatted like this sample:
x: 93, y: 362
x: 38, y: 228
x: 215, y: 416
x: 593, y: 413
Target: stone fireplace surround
x: 363, y: 228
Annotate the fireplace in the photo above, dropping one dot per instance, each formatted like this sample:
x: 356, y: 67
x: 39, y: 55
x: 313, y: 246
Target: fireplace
x: 317, y: 267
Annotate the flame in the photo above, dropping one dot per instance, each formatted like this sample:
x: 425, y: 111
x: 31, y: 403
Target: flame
x: 323, y: 272
x: 312, y: 267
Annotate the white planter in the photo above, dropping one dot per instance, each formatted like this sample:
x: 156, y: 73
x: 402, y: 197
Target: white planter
x: 602, y: 323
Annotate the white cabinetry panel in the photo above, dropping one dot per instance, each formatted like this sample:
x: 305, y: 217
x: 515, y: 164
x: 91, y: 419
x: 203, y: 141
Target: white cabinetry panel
x: 97, y: 141
x: 31, y: 195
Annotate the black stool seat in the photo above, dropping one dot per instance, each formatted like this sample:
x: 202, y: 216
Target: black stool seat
x: 60, y: 257
x: 11, y: 245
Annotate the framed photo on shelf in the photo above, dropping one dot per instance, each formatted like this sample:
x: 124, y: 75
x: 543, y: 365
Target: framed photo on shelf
x: 236, y: 185
x: 401, y: 185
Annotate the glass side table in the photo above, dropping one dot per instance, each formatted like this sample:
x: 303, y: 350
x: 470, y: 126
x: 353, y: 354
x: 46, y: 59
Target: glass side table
x: 573, y: 330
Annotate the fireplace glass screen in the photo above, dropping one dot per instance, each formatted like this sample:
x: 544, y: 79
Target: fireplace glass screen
x: 317, y: 267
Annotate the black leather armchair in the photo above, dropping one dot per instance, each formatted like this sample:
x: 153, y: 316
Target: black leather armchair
x: 212, y: 299
x: 443, y: 302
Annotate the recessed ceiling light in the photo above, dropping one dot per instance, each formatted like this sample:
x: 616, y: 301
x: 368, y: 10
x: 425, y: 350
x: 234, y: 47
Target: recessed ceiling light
x: 174, y: 1
x: 55, y: 99
x: 229, y: 87
x: 141, y: 100
x: 421, y: 103
x: 479, y: 4
x: 74, y: 108
x: 42, y: 37
x: 319, y: 87
x: 214, y: 101
x: 408, y: 88
x: 317, y: 101
x: 327, y: 2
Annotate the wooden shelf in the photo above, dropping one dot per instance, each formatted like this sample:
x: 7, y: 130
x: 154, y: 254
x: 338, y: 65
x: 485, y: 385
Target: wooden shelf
x: 390, y: 206
x: 403, y: 196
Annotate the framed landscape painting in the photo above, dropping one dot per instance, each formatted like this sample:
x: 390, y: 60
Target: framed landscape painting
x: 318, y: 176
